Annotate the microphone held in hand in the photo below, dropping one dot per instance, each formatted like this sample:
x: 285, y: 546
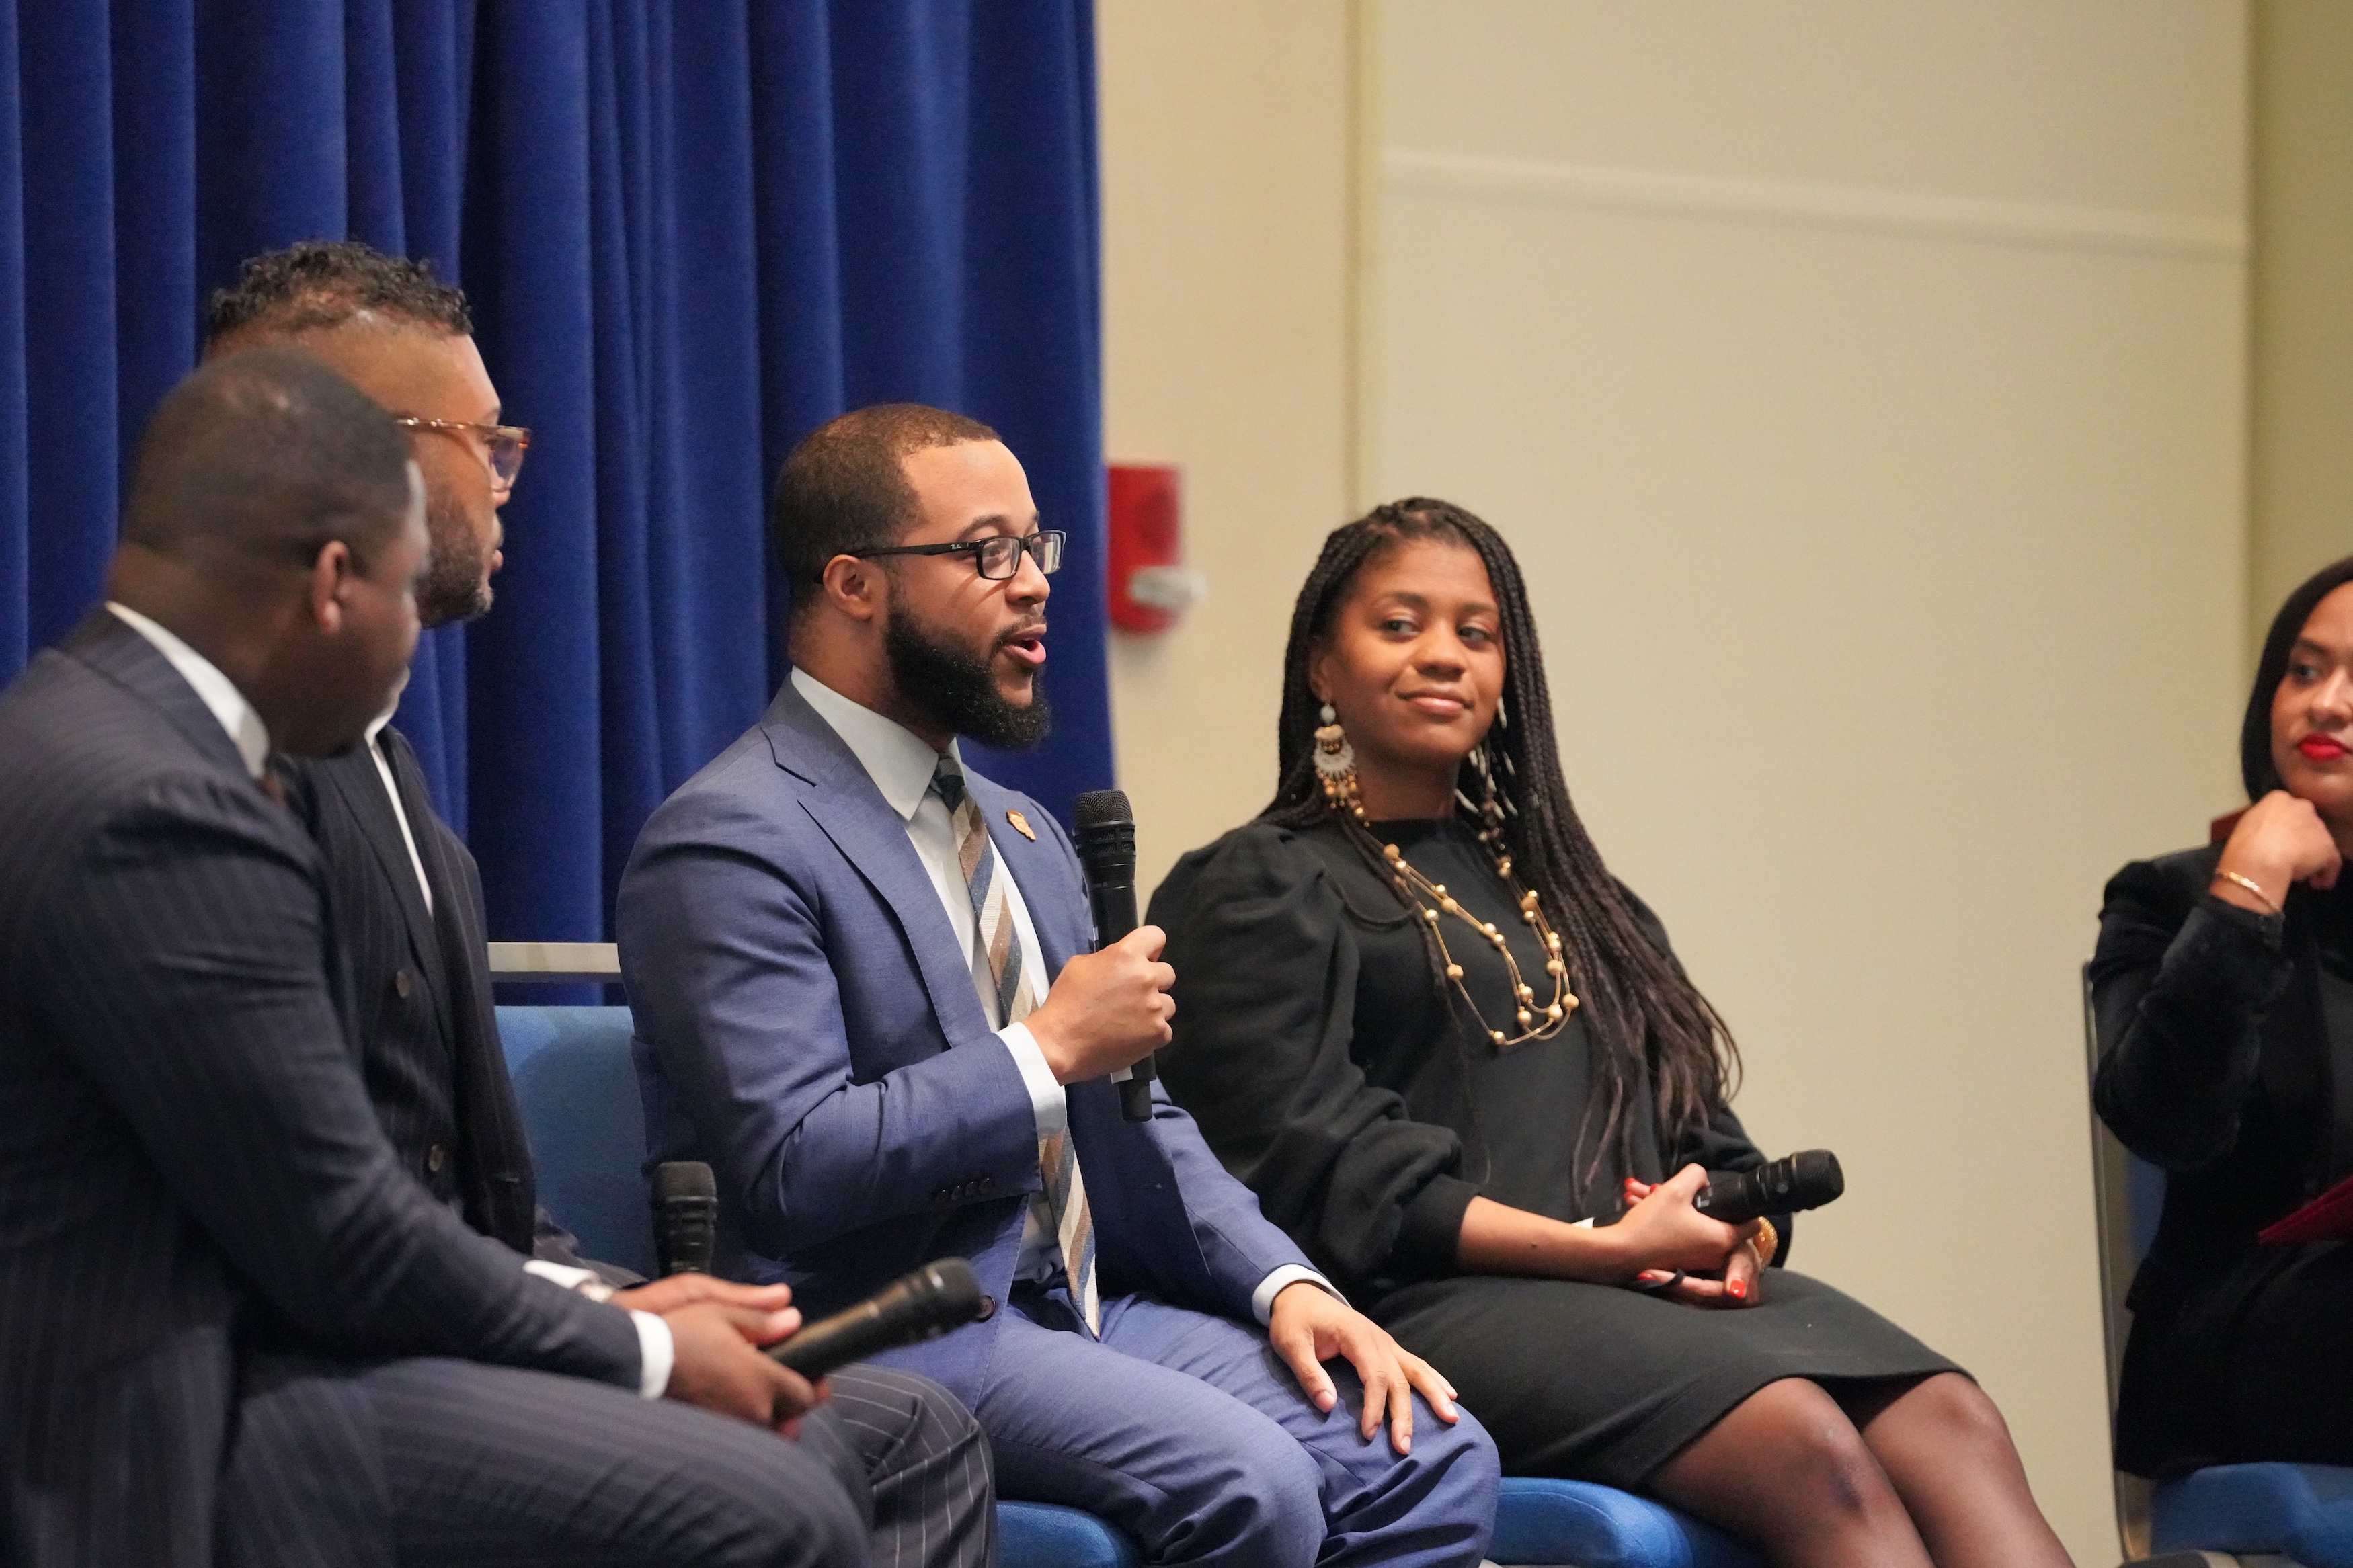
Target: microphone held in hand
x: 1106, y: 836
x: 686, y: 1216
x: 1805, y: 1180
x: 941, y: 1295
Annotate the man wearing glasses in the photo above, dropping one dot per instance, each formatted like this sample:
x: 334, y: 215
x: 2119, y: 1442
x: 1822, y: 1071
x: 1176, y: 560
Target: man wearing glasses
x: 407, y: 903
x: 863, y: 992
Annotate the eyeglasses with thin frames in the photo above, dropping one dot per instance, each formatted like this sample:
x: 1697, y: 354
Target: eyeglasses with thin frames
x: 996, y: 558
x: 502, y: 445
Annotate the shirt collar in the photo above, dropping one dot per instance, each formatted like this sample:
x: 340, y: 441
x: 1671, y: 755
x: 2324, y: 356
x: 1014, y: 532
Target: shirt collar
x: 390, y: 707
x: 900, y: 762
x: 218, y: 692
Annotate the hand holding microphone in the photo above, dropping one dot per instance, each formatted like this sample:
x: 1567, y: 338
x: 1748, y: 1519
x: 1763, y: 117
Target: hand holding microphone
x: 1106, y: 835
x: 1791, y: 1185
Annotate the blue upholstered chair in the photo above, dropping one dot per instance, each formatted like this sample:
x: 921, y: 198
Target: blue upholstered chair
x: 578, y: 1093
x: 2291, y: 1514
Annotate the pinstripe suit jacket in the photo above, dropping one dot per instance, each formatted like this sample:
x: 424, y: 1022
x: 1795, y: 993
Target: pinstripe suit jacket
x: 422, y: 1014
x: 190, y: 1171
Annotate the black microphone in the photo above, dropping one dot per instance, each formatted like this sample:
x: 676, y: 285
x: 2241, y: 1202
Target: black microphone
x: 1805, y: 1180
x: 1107, y: 849
x: 686, y: 1215
x: 941, y: 1295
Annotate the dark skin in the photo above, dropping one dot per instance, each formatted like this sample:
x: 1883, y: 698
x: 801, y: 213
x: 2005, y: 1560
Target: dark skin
x: 1107, y: 1009
x: 1906, y: 1473
x: 419, y: 371
x: 317, y: 647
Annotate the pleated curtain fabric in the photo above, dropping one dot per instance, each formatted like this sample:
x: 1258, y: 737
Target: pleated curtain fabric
x: 692, y: 232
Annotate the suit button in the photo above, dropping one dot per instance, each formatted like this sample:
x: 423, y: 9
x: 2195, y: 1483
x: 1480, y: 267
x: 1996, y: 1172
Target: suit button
x: 401, y: 985
x: 436, y: 1157
x: 988, y: 1185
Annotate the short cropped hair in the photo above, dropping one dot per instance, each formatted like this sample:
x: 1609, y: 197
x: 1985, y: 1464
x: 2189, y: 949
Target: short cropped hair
x: 323, y: 283
x: 273, y: 456
x: 842, y: 490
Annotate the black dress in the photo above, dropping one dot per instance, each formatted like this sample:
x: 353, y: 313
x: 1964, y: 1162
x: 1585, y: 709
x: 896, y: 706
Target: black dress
x: 2226, y: 1057
x: 1336, y: 1072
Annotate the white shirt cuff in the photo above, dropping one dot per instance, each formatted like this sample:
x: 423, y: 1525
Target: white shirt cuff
x: 1046, y: 1099
x: 1283, y: 1278
x: 657, y: 1352
x: 561, y: 1274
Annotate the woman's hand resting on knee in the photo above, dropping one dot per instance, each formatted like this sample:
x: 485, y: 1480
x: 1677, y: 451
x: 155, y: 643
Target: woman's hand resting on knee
x: 1740, y: 1273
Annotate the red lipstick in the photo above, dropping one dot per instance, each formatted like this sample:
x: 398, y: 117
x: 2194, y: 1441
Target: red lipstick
x: 2321, y: 747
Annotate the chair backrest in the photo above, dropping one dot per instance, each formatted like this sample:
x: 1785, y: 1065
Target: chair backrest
x: 578, y: 1089
x: 2127, y: 1195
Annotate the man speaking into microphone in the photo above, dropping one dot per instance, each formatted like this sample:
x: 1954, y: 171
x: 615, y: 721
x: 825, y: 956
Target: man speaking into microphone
x: 864, y: 992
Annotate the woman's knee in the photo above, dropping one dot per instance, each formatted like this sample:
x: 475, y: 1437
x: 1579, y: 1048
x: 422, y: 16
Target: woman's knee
x: 1946, y: 1416
x: 1814, y: 1452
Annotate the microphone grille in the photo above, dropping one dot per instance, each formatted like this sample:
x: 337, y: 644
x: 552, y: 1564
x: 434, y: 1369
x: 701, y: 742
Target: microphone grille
x: 684, y: 1179
x: 1099, y: 807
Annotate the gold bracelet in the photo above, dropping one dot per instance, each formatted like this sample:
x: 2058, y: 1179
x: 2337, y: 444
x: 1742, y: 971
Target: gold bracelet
x: 1767, y: 1241
x: 2250, y: 884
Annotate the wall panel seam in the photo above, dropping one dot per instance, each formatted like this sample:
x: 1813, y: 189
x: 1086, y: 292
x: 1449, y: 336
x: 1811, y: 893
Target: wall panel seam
x: 2045, y: 225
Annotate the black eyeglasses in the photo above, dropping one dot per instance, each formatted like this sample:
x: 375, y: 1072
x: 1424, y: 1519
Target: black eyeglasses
x: 502, y: 445
x: 996, y: 558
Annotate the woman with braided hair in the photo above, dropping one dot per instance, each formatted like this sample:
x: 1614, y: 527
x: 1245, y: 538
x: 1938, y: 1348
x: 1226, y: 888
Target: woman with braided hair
x: 1460, y: 1064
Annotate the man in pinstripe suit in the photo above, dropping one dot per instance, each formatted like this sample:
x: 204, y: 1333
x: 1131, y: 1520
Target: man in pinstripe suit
x: 406, y: 897
x: 232, y: 1328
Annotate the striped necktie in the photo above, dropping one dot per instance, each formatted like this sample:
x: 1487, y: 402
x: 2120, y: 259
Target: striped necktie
x: 1014, y: 981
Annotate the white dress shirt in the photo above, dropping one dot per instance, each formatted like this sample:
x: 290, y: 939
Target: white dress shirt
x: 657, y: 1350
x: 374, y: 741
x: 901, y: 764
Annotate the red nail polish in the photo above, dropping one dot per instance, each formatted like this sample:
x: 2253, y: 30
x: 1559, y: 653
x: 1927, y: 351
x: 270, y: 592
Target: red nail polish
x: 1739, y: 1291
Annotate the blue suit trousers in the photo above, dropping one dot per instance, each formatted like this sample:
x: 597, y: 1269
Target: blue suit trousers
x: 1189, y: 1432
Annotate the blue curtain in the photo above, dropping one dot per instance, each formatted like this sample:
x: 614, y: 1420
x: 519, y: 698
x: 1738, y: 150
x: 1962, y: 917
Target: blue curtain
x: 692, y: 232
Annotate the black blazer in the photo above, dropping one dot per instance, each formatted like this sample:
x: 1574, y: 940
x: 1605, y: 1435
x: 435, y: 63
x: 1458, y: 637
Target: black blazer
x: 422, y: 1011
x: 190, y: 1171
x: 2214, y: 1064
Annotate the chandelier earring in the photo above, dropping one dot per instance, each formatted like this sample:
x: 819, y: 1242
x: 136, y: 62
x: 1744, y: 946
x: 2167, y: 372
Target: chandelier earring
x: 1336, y: 765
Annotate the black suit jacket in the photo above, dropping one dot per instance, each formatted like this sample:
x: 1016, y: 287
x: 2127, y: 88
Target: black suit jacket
x: 2214, y: 1065
x: 422, y: 1011
x: 190, y: 1171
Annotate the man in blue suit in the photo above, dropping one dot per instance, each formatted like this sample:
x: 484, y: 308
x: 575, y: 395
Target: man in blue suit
x: 864, y: 994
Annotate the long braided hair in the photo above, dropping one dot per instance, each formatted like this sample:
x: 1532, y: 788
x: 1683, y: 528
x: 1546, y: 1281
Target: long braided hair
x: 1644, y: 1017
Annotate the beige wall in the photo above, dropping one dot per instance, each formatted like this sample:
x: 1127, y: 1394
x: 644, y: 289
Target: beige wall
x: 1863, y: 386
x: 1227, y: 343
x: 2302, y: 446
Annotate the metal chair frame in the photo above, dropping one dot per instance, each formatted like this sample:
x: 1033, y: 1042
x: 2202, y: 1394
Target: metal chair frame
x: 2111, y: 1206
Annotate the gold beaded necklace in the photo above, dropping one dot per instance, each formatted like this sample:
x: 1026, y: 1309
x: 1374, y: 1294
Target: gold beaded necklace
x: 1335, y: 766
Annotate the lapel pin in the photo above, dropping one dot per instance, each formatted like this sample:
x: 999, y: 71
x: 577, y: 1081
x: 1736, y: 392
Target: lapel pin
x: 1021, y: 825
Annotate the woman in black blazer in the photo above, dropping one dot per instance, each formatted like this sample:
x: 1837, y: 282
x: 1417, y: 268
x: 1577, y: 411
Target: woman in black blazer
x: 2222, y: 986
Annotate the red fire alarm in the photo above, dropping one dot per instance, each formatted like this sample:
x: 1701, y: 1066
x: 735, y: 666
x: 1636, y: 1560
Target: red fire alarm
x: 1149, y: 587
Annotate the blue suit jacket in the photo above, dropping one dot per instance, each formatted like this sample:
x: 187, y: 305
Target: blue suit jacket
x: 807, y: 1022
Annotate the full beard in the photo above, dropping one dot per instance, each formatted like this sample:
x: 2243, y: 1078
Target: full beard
x: 958, y: 691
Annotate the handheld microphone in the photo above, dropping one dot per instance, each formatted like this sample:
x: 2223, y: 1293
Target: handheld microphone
x: 1106, y: 837
x: 686, y: 1216
x: 1806, y: 1180
x: 941, y: 1295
